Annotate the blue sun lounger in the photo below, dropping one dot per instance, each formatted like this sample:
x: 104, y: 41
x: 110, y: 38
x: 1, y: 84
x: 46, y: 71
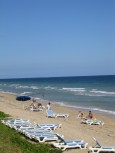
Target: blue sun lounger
x: 70, y: 144
x: 74, y: 145
x: 52, y: 114
x: 98, y: 148
x: 51, y: 126
x: 47, y: 137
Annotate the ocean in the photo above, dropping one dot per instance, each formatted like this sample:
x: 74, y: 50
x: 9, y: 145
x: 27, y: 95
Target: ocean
x: 96, y: 93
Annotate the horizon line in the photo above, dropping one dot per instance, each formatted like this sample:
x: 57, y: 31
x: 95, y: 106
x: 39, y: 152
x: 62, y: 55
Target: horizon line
x: 57, y: 77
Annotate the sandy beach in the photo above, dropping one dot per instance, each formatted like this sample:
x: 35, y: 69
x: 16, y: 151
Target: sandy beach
x: 71, y: 126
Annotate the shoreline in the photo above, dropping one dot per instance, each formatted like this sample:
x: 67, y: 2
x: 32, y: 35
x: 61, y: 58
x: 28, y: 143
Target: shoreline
x: 87, y: 109
x: 71, y: 127
x: 109, y: 113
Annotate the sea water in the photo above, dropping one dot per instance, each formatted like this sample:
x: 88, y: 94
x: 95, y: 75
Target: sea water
x: 95, y: 93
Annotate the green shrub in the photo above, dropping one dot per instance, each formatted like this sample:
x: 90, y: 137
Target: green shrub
x: 3, y: 115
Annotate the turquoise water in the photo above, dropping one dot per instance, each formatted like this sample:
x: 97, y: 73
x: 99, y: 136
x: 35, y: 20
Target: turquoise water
x: 88, y: 92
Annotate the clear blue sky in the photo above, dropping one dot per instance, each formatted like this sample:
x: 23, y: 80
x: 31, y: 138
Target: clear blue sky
x: 46, y: 38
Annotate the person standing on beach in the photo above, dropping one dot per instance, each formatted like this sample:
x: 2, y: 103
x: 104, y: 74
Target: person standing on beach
x: 48, y: 106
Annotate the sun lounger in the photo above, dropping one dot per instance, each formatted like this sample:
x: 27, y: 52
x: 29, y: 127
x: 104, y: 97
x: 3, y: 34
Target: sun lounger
x: 52, y: 114
x: 62, y: 115
x: 16, y: 125
x: 34, y: 134
x: 17, y: 120
x: 34, y: 129
x: 21, y: 127
x: 25, y: 129
x: 70, y: 144
x: 4, y: 121
x: 36, y: 109
x: 47, y: 137
x: 98, y: 148
x: 9, y: 121
x: 12, y: 123
x: 92, y: 122
x: 51, y: 126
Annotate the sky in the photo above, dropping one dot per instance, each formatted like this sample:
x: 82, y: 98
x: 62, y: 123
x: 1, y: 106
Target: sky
x: 51, y: 38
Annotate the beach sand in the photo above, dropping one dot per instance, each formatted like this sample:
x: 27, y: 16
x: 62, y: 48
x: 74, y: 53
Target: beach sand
x: 71, y: 126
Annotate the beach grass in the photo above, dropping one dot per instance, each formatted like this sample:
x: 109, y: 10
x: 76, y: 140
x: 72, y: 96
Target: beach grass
x: 13, y: 142
x: 3, y: 115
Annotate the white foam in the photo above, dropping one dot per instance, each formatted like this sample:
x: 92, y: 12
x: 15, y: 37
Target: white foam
x: 22, y: 86
x: 24, y: 93
x: 74, y: 89
x: 27, y: 87
x: 105, y: 111
x: 37, y: 98
x: 86, y: 108
x: 48, y: 87
x: 14, y: 85
x: 12, y: 93
x: 102, y: 92
x: 34, y: 87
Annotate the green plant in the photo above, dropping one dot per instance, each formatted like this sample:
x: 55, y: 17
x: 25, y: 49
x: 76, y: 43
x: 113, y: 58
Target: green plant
x: 13, y: 142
